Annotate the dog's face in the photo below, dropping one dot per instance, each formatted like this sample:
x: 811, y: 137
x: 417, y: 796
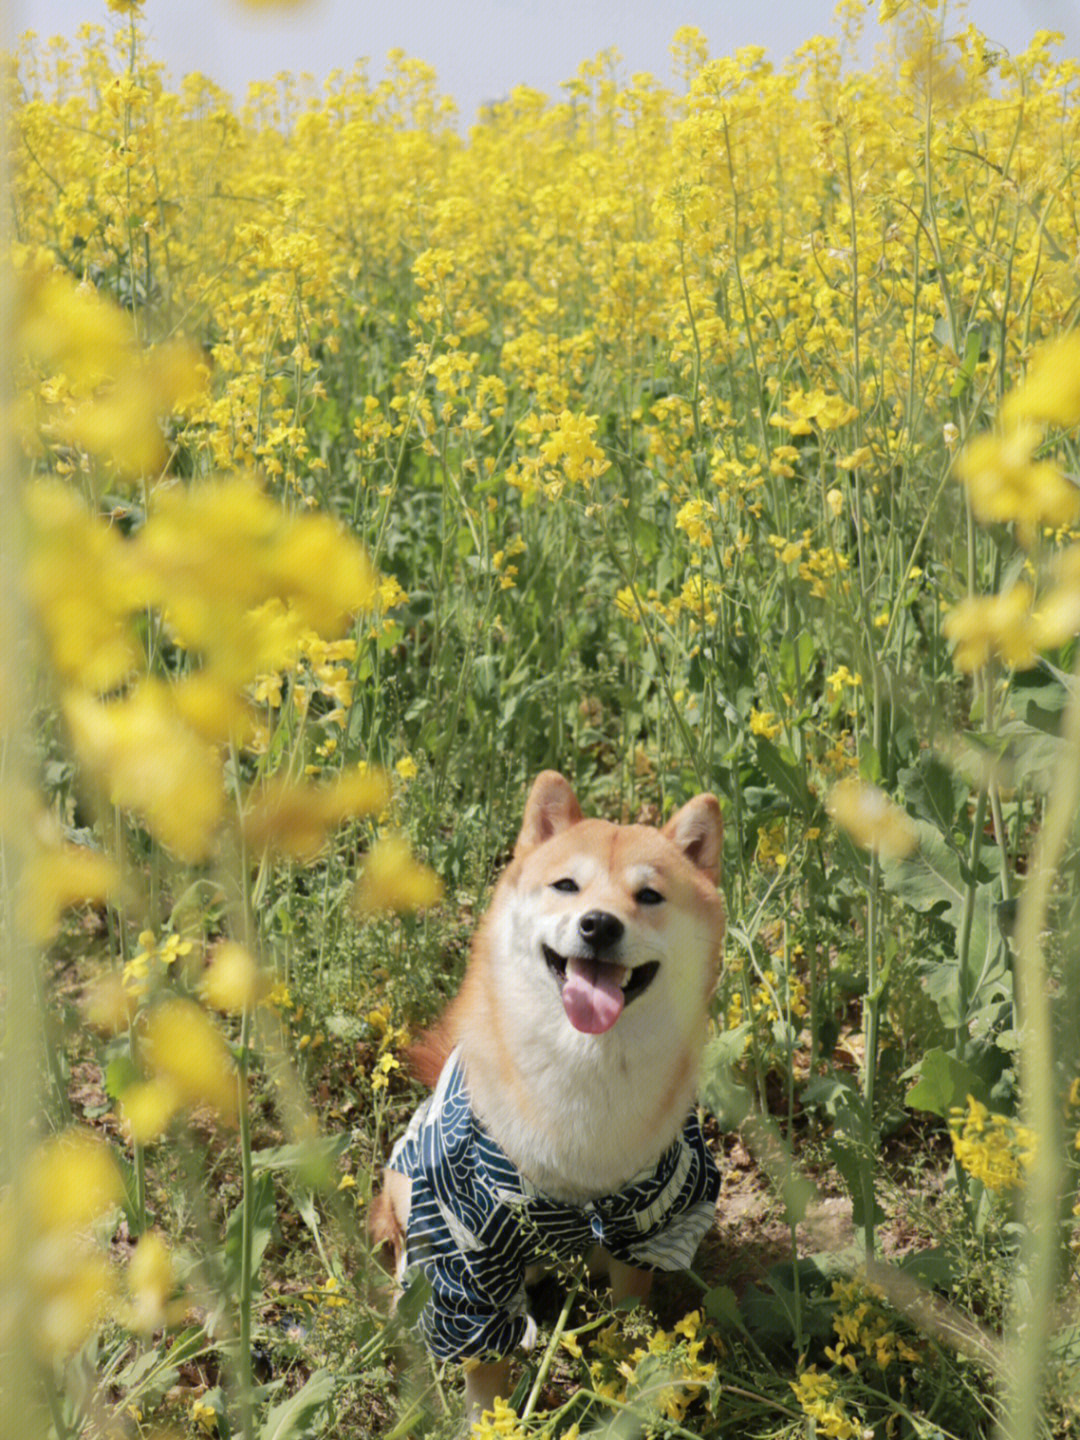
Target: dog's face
x: 583, y: 1012
x: 612, y: 921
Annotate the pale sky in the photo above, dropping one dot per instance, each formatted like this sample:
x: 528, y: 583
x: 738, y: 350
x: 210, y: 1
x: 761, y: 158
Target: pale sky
x: 482, y: 48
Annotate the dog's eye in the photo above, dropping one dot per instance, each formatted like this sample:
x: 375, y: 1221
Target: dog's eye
x: 648, y: 896
x: 566, y: 885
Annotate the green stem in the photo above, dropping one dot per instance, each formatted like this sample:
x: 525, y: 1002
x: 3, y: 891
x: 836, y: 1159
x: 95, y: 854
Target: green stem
x: 55, y: 1411
x: 967, y: 921
x: 244, y: 1371
x: 549, y: 1353
x: 140, y: 1187
x: 1033, y: 1299
x: 871, y: 1012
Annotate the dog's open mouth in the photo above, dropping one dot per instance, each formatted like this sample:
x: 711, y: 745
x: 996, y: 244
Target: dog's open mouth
x: 595, y: 992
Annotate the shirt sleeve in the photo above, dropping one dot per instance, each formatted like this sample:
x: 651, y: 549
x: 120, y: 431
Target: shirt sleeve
x: 462, y: 1237
x: 459, y: 1321
x: 673, y: 1226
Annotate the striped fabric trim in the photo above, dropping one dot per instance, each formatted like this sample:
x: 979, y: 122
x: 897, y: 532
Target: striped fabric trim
x: 475, y: 1223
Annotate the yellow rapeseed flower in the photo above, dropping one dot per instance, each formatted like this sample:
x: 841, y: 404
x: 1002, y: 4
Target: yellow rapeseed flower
x: 391, y: 879
x: 150, y: 1286
x: 995, y: 1149
x: 295, y: 819
x: 108, y: 1005
x: 999, y: 627
x: 70, y: 1182
x: 57, y: 1279
x: 147, y: 760
x: 1056, y: 617
x: 1050, y: 391
x: 87, y: 624
x: 1006, y: 483
x: 181, y: 1047
x: 234, y: 982
x: 241, y: 581
x: 871, y: 819
x: 53, y: 879
x: 147, y: 1108
x: 766, y: 724
x: 204, y: 1416
x: 113, y: 390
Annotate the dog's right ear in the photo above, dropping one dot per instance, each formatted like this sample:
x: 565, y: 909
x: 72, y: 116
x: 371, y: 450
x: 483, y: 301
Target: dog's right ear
x: 551, y: 807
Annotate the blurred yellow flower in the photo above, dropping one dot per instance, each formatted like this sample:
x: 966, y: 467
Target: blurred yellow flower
x: 147, y: 1107
x: 107, y: 1004
x: 181, y: 1047
x: 871, y: 819
x: 112, y: 389
x: 82, y: 583
x: 1005, y: 483
x: 989, y: 627
x: 234, y: 982
x: 1056, y: 617
x: 150, y: 1286
x: 295, y: 819
x: 57, y: 1280
x: 148, y: 761
x: 56, y: 878
x: 1050, y: 392
x: 279, y: 997
x: 392, y: 880
x: 242, y: 581
x: 70, y: 1182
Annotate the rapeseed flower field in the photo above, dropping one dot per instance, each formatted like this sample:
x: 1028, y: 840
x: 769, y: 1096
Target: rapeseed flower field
x: 705, y: 431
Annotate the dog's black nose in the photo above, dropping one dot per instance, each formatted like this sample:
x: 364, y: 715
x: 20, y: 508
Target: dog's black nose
x: 599, y: 929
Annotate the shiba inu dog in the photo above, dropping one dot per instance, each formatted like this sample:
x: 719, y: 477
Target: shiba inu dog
x: 564, y: 1072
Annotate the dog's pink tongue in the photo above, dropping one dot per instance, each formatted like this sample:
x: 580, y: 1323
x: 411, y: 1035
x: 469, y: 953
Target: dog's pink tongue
x: 592, y: 996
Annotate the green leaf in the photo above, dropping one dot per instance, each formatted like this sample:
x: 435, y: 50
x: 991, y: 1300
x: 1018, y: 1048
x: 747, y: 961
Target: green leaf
x: 944, y: 1081
x: 722, y: 1305
x: 413, y: 1299
x: 856, y: 1165
x: 930, y: 878
x: 721, y: 1093
x: 935, y: 1268
x: 839, y: 1099
x: 933, y: 791
x: 974, y: 347
x: 786, y: 1308
x: 119, y: 1074
x: 215, y: 1398
x: 797, y: 659
x: 786, y: 774
x: 147, y: 1367
x: 311, y: 1161
x: 298, y: 1414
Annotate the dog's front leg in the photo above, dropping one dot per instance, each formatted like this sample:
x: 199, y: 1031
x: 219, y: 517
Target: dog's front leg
x: 484, y: 1379
x: 628, y: 1282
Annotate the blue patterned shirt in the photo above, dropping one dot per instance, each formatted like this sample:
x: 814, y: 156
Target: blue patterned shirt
x: 475, y: 1223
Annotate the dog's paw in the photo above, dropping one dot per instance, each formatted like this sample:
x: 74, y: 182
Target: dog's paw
x: 528, y: 1340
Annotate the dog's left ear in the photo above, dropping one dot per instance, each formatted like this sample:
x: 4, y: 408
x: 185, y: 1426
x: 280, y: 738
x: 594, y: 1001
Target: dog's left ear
x: 698, y: 830
x: 551, y: 807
